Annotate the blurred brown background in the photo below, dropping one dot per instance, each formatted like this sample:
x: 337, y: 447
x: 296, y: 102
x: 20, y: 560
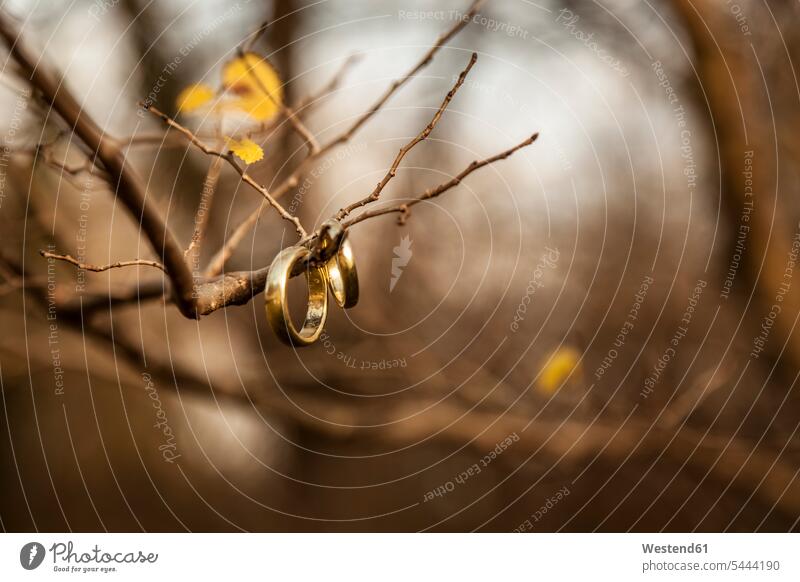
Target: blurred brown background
x: 591, y: 323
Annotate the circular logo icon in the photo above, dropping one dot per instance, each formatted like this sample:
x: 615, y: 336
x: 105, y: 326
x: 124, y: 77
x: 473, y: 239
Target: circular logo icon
x: 31, y: 555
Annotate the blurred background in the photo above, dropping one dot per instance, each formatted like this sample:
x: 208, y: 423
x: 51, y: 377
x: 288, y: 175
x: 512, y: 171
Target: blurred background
x: 599, y: 333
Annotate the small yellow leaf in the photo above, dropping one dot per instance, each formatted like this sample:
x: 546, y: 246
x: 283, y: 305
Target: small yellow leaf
x: 194, y: 97
x: 256, y: 85
x: 562, y: 363
x: 246, y: 149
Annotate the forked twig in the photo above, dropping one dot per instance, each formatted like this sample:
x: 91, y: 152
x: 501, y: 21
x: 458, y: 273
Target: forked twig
x: 403, y: 208
x: 376, y: 193
x: 293, y: 179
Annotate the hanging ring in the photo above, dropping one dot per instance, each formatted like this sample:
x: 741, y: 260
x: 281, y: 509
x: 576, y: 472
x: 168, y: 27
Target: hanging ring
x: 277, y: 307
x: 342, y: 275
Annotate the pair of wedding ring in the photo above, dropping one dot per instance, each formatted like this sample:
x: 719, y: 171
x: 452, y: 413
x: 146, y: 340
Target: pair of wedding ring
x: 338, y: 274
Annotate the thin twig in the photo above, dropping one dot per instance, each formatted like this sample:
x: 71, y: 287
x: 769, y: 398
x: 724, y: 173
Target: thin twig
x: 291, y: 116
x: 403, y: 208
x: 100, y: 268
x: 331, y: 85
x: 228, y: 156
x: 162, y: 140
x: 203, y: 212
x: 376, y: 193
x: 251, y: 38
x: 217, y: 263
x: 443, y: 39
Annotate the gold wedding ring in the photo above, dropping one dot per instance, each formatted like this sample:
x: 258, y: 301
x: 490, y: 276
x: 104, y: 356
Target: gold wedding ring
x: 277, y: 307
x: 342, y: 275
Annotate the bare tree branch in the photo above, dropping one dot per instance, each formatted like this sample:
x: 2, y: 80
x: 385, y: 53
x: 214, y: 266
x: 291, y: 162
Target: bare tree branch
x: 129, y: 187
x: 330, y: 86
x: 236, y: 288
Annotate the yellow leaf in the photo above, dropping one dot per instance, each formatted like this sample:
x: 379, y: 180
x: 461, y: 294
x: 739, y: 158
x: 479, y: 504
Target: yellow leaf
x: 256, y: 85
x: 246, y: 149
x: 193, y: 97
x: 562, y: 363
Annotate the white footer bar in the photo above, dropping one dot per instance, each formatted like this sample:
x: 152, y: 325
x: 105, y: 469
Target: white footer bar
x: 401, y: 557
